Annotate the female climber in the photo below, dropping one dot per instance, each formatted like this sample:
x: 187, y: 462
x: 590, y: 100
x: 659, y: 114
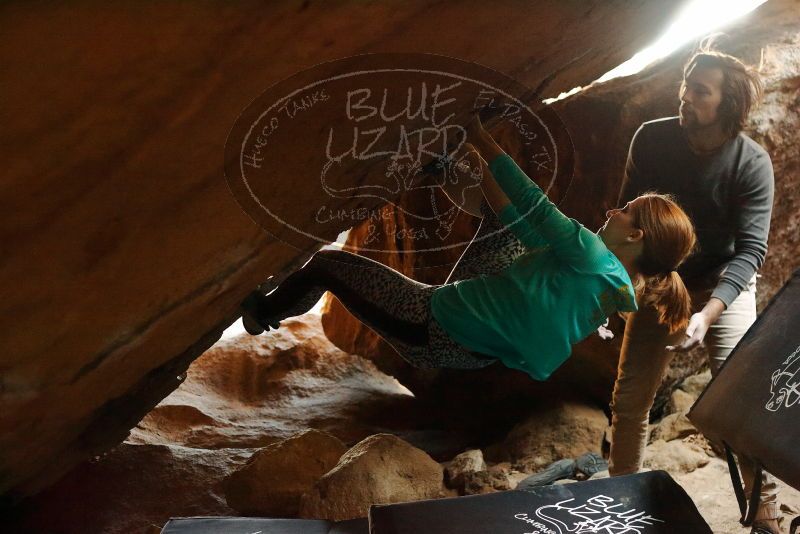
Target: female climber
x: 561, y: 288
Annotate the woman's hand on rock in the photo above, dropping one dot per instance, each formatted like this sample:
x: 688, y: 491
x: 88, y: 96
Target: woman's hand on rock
x: 475, y: 130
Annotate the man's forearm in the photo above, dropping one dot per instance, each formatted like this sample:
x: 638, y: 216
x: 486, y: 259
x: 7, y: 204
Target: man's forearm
x: 713, y: 309
x: 699, y: 325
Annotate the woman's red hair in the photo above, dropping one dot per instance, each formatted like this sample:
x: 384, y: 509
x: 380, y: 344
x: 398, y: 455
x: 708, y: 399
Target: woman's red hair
x: 669, y: 239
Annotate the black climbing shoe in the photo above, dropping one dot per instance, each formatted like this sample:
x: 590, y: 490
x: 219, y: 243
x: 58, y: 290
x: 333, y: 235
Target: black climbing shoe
x: 252, y: 321
x: 590, y: 464
x: 249, y: 307
x: 556, y: 471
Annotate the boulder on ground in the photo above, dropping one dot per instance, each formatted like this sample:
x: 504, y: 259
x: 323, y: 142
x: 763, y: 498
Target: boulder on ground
x: 488, y: 481
x: 464, y: 464
x: 675, y: 456
x: 680, y: 402
x: 382, y: 469
x: 673, y: 426
x: 565, y: 430
x: 695, y: 384
x: 276, y: 477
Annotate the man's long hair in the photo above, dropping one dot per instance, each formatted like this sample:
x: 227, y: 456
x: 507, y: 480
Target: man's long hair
x: 742, y: 87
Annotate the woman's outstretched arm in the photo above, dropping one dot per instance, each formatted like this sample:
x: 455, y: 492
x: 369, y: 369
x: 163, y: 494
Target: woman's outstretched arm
x: 569, y: 239
x: 500, y: 203
x: 482, y: 140
x: 494, y: 195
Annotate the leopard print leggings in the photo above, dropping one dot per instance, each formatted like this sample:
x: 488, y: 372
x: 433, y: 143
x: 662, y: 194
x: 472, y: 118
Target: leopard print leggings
x: 396, y: 307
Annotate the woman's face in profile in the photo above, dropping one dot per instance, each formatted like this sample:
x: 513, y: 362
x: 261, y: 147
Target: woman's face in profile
x: 619, y: 224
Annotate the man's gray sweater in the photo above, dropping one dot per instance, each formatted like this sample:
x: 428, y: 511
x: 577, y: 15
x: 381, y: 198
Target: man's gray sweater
x: 727, y: 193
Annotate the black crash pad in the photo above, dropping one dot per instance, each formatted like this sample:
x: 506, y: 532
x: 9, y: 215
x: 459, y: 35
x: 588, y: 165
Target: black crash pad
x: 753, y: 404
x: 645, y: 503
x: 259, y: 525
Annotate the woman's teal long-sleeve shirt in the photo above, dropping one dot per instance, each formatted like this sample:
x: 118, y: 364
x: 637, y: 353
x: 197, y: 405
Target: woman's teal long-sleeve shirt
x: 557, y: 293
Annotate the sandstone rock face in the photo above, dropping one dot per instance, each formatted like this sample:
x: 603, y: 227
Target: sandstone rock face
x: 566, y: 430
x: 125, y: 253
x: 275, y: 477
x: 382, y: 469
x: 250, y: 392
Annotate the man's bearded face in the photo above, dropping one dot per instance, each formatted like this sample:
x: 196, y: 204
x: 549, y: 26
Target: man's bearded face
x: 701, y: 95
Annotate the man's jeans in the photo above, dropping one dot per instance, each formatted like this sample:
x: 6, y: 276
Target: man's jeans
x: 643, y: 362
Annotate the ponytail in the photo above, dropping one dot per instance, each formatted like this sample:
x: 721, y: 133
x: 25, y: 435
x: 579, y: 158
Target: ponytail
x: 669, y: 238
x: 669, y: 296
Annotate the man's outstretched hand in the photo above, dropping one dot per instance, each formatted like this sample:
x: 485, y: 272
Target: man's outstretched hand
x: 699, y: 324
x: 695, y: 333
